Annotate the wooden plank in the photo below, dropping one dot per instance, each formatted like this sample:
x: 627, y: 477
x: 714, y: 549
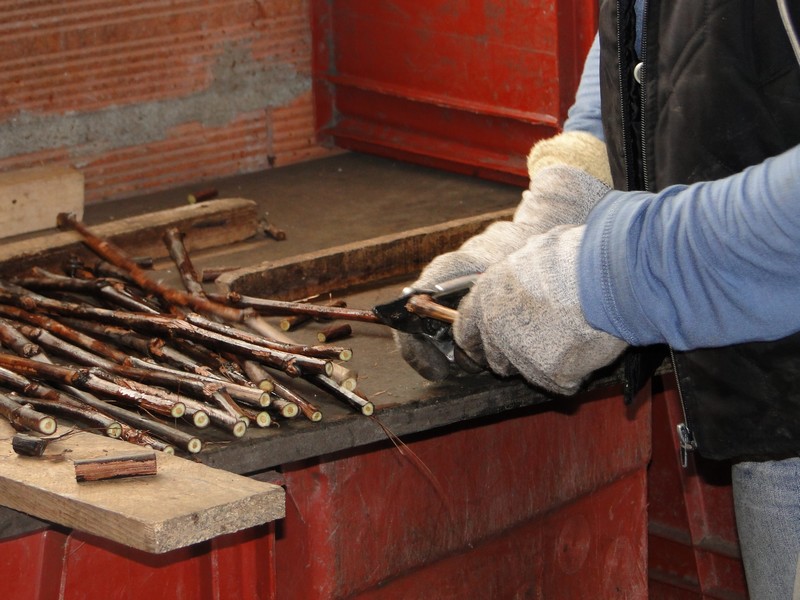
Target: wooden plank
x: 30, y: 199
x: 205, y: 225
x: 351, y: 265
x: 185, y: 503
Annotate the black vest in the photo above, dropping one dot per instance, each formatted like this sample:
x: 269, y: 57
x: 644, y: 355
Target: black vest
x: 720, y: 92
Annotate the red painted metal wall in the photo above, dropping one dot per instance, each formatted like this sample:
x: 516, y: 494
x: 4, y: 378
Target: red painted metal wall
x: 467, y: 86
x: 694, y: 548
x: 546, y: 504
x: 150, y: 95
x: 53, y: 565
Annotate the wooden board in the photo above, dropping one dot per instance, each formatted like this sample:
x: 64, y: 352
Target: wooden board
x: 185, y: 503
x: 30, y: 199
x: 356, y: 264
x: 205, y: 225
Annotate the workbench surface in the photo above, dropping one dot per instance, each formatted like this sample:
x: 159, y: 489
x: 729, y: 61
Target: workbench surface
x: 325, y: 204
x: 345, y: 201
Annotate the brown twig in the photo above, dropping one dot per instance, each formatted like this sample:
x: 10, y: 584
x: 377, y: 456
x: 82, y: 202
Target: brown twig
x: 140, y: 428
x: 293, y: 364
x: 173, y: 239
x: 117, y: 257
x: 335, y: 332
x: 276, y: 308
x: 24, y: 416
x: 89, y: 379
x: 28, y: 445
x: 51, y: 400
x: 364, y: 406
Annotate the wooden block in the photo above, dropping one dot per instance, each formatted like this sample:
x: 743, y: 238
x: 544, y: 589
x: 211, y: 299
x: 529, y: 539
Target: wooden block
x: 30, y: 199
x: 206, y: 225
x: 186, y: 503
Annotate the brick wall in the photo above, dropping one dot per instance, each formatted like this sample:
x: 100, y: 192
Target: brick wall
x: 149, y: 95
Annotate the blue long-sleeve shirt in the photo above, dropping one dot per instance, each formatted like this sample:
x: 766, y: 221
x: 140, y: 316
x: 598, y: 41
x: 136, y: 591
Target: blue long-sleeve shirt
x: 711, y: 264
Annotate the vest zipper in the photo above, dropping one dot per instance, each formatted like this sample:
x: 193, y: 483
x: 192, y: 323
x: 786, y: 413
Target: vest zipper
x: 643, y: 98
x: 685, y: 435
x: 623, y: 124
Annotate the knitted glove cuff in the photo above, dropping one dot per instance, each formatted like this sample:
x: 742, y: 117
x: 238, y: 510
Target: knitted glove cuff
x: 575, y: 148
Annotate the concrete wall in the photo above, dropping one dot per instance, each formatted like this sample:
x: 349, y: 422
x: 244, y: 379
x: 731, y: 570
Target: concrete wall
x: 149, y: 95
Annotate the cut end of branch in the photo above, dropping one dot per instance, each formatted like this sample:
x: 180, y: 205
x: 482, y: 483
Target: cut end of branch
x: 263, y: 419
x: 178, y: 410
x: 289, y: 410
x: 114, y: 430
x: 240, y: 428
x: 47, y: 425
x: 200, y: 419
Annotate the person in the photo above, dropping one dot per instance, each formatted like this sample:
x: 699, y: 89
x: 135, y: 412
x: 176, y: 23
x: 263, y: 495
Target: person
x: 667, y: 212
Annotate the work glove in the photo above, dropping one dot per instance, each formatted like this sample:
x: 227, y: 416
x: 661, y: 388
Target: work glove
x: 558, y: 194
x: 523, y: 316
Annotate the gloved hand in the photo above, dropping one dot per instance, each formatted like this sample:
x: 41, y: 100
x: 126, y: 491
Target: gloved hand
x: 524, y: 316
x: 557, y: 195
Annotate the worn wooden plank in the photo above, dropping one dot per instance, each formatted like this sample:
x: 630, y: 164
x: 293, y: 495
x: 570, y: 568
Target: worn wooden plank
x: 351, y: 265
x: 185, y: 503
x: 30, y: 199
x: 205, y: 225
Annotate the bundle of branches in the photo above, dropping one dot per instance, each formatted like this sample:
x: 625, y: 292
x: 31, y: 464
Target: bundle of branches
x: 114, y: 350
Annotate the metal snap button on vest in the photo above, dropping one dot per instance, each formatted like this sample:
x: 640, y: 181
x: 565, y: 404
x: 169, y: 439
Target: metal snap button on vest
x: 637, y: 73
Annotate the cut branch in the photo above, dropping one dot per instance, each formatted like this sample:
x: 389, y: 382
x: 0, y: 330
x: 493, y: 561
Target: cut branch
x: 51, y: 400
x: 143, y: 425
x: 115, y: 467
x: 278, y: 308
x: 24, y: 416
x: 362, y: 405
x: 28, y: 445
x: 117, y: 257
x: 173, y: 239
x: 89, y: 379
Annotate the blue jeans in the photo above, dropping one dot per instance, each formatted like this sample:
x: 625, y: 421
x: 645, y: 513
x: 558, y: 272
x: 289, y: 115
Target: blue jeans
x: 767, y: 502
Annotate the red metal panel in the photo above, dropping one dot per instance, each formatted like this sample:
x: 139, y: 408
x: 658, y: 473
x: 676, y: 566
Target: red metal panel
x: 30, y: 566
x: 469, y: 85
x: 693, y: 542
x: 592, y: 548
x: 355, y: 523
x: 51, y: 565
